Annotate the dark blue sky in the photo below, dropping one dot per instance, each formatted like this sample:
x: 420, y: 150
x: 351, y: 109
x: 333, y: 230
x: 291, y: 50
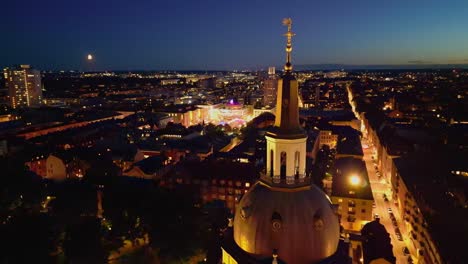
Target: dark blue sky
x: 230, y: 34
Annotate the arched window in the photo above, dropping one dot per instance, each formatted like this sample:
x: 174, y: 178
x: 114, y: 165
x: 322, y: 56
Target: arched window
x: 296, y: 164
x: 271, y: 163
x: 283, y: 165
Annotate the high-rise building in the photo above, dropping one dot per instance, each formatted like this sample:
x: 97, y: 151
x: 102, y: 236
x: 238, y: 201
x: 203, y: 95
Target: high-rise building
x: 271, y: 70
x: 269, y: 87
x: 24, y: 86
x: 284, y: 218
x: 207, y: 83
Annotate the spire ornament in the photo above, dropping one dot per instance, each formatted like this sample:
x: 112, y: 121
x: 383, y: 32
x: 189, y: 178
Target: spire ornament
x: 288, y: 22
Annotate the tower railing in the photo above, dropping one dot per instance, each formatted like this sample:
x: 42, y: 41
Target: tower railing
x: 298, y: 180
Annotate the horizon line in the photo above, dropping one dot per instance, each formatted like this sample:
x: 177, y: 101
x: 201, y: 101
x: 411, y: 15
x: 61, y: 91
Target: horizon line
x: 315, y: 66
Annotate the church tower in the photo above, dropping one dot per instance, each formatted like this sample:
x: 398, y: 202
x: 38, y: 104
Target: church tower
x: 286, y: 143
x: 284, y: 218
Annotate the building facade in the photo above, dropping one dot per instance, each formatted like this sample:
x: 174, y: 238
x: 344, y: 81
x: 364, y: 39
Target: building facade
x: 415, y: 226
x: 351, y: 193
x: 326, y: 137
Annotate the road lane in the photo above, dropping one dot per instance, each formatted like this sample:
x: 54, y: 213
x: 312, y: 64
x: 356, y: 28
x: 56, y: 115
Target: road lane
x: 379, y: 187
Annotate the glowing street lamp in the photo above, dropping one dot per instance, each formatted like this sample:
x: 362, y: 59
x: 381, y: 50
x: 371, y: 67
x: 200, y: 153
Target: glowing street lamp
x: 90, y: 57
x: 355, y: 180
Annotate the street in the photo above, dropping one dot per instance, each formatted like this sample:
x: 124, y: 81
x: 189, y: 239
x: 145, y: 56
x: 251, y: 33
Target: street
x: 379, y: 187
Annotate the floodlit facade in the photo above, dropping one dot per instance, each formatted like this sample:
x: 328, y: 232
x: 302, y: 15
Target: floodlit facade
x: 187, y: 115
x: 355, y: 213
x: 352, y: 194
x: 24, y: 86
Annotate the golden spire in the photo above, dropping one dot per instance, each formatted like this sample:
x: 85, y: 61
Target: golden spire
x: 288, y: 22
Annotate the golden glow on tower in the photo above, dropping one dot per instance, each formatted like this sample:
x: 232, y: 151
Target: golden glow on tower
x: 288, y: 22
x: 286, y: 142
x: 287, y: 111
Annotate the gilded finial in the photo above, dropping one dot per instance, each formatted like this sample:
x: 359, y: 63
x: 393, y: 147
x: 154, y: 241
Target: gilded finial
x: 288, y: 22
x: 275, y: 256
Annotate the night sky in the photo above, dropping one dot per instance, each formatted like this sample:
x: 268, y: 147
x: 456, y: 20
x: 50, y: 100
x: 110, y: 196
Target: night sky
x: 229, y: 34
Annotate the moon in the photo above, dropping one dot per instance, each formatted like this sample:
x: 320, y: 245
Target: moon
x: 90, y: 57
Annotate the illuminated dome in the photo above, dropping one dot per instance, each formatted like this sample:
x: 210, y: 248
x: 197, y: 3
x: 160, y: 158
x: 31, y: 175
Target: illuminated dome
x: 300, y: 224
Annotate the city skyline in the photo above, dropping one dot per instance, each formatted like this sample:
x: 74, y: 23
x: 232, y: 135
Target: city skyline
x: 182, y: 35
x: 291, y: 166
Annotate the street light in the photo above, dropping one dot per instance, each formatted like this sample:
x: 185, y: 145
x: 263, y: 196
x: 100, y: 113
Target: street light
x: 355, y: 180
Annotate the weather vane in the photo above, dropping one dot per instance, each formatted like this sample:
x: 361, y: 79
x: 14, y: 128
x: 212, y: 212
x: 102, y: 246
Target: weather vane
x: 288, y: 22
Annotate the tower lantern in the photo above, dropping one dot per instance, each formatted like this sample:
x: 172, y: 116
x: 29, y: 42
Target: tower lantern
x: 286, y: 143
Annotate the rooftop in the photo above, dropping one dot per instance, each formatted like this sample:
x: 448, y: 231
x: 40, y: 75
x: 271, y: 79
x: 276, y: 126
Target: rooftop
x: 349, y: 145
x: 342, y: 186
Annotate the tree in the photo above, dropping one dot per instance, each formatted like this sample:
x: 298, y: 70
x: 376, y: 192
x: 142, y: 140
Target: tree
x: 83, y: 242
